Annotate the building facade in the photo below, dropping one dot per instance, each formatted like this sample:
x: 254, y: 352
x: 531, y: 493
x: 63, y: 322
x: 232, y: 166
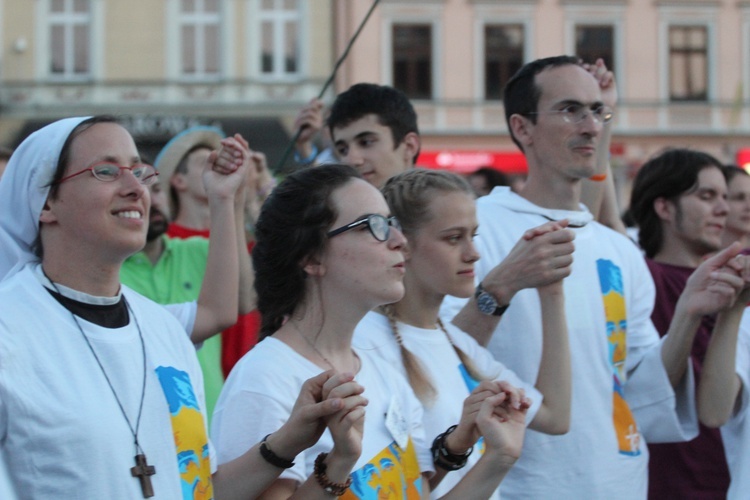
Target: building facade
x: 245, y: 65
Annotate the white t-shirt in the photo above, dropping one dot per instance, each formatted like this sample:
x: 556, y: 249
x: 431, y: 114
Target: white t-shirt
x: 621, y: 394
x: 736, y: 432
x: 61, y: 429
x: 446, y: 372
x: 259, y: 395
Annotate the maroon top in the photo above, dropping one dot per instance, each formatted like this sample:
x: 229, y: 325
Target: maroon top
x: 697, y: 469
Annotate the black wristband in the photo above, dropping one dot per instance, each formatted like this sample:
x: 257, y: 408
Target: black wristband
x: 272, y: 458
x: 444, y: 458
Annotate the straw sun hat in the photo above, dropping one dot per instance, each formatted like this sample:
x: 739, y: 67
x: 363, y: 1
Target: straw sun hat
x: 175, y: 150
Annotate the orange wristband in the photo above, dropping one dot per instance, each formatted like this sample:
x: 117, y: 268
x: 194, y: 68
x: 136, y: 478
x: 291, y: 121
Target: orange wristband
x: 598, y: 177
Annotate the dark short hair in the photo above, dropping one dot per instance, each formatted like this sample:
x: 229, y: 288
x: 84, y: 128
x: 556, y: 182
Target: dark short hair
x: 732, y: 171
x: 292, y: 227
x: 492, y: 176
x: 390, y: 105
x: 521, y: 94
x: 668, y: 175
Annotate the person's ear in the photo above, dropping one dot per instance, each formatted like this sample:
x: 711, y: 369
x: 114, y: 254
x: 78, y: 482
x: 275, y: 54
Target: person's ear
x: 664, y: 208
x: 521, y: 128
x: 412, y: 143
x: 47, y: 216
x: 178, y: 181
x: 313, y: 267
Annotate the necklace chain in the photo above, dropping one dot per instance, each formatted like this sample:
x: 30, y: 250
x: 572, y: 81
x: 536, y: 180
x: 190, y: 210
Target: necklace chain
x: 312, y: 345
x: 133, y: 430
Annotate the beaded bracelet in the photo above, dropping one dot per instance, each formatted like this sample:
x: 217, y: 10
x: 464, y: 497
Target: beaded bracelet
x: 444, y: 458
x: 272, y: 458
x: 329, y: 486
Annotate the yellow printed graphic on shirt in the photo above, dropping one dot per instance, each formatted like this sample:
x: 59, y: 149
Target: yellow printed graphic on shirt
x: 391, y: 474
x: 189, y: 432
x: 615, y: 312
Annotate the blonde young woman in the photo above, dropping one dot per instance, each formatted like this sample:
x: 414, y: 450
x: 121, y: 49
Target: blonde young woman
x: 327, y: 251
x: 448, y: 370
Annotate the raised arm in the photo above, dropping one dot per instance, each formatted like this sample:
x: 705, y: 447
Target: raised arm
x: 224, y: 176
x: 713, y: 287
x: 542, y: 256
x: 256, y: 169
x: 309, y: 122
x: 598, y: 192
x: 720, y: 386
x: 553, y: 379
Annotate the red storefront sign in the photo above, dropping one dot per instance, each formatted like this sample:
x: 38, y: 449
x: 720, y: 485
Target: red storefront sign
x: 463, y: 162
x: 743, y: 158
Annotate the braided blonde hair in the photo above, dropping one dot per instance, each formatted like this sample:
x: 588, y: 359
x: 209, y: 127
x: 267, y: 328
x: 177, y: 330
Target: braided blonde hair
x: 419, y: 380
x: 409, y: 195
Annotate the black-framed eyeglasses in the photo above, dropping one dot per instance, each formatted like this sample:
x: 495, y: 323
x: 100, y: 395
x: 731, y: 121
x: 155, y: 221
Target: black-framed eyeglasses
x: 576, y: 113
x: 379, y: 226
x: 108, y: 171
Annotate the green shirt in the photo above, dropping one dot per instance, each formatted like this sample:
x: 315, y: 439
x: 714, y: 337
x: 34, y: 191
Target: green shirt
x: 177, y: 277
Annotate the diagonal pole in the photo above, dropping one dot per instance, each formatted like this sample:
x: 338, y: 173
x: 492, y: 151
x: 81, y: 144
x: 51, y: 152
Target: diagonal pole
x: 328, y: 83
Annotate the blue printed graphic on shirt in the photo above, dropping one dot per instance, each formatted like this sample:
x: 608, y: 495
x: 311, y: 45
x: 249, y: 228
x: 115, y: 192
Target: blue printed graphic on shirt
x: 189, y: 433
x: 391, y: 474
x: 615, y: 312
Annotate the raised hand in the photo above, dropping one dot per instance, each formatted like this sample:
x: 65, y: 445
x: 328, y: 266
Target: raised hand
x: 542, y: 256
x: 347, y: 424
x: 502, y: 422
x: 716, y: 284
x: 226, y: 170
x: 309, y: 122
x: 469, y: 430
x: 606, y: 81
x: 467, y: 433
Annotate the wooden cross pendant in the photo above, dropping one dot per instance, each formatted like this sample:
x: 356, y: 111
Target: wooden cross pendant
x: 142, y: 471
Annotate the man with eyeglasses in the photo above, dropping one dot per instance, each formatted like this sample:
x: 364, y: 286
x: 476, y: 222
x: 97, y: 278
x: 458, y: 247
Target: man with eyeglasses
x: 628, y: 387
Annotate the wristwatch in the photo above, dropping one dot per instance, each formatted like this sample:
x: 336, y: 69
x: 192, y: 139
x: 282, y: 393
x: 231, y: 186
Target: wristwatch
x: 487, y: 304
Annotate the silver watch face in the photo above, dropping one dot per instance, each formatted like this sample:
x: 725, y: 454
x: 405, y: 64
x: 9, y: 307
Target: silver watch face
x: 486, y: 303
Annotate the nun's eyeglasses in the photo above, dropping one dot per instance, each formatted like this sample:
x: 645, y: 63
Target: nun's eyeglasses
x: 108, y: 171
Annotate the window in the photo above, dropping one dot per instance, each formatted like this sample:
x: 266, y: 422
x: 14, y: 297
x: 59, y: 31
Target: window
x: 279, y: 26
x: 594, y: 42
x: 688, y: 63
x: 412, y: 60
x: 503, y: 56
x: 200, y: 46
x: 70, y: 38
